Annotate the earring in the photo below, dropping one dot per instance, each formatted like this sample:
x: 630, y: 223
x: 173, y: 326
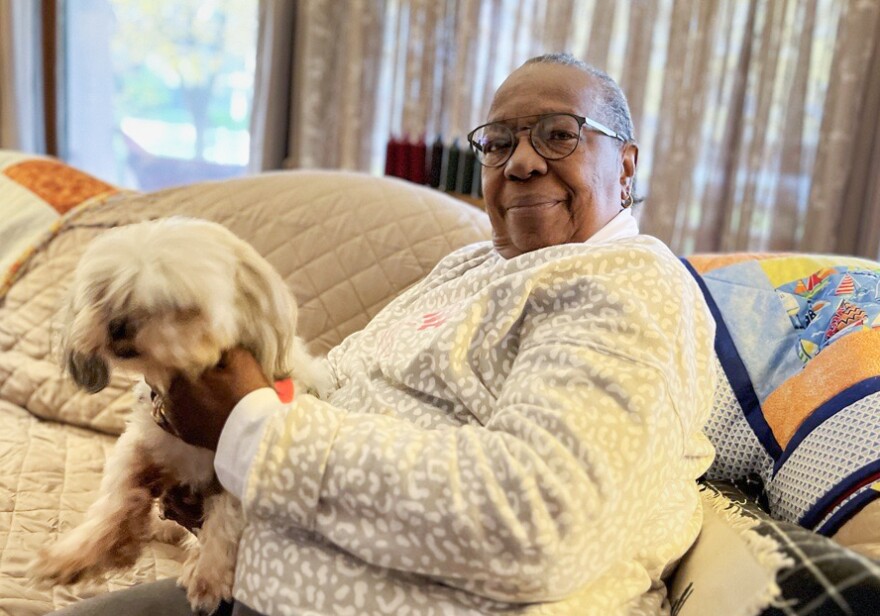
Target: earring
x: 627, y: 203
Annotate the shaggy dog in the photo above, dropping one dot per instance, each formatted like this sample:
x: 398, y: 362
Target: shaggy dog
x: 163, y: 298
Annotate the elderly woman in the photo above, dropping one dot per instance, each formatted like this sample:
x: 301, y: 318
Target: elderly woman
x: 517, y: 434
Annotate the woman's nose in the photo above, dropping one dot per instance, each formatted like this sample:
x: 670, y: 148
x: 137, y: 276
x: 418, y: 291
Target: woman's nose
x: 524, y: 162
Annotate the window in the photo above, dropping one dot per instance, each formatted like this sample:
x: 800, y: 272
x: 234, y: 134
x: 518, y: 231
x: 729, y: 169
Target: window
x: 157, y: 92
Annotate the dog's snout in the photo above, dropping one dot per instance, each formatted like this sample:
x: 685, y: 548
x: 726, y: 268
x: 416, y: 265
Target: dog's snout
x: 122, y: 332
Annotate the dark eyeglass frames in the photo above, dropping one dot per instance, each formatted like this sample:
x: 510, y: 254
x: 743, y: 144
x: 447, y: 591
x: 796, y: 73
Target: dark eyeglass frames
x: 554, y: 136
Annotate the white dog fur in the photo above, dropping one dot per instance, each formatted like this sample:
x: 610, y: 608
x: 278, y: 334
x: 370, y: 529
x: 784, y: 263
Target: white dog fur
x: 161, y: 298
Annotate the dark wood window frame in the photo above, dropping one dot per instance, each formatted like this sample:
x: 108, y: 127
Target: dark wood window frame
x: 49, y: 32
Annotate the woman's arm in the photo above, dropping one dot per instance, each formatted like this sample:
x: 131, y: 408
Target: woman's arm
x: 542, y: 499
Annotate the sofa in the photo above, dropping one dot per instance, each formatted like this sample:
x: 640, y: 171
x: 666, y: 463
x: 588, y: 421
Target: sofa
x: 346, y: 244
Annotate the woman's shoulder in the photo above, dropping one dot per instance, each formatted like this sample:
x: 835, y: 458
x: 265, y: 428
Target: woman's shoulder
x: 465, y: 258
x: 641, y: 267
x: 644, y: 255
x: 478, y: 251
x: 636, y: 252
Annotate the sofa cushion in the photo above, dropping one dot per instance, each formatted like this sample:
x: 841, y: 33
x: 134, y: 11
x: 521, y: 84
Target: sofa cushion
x: 345, y: 243
x: 745, y: 563
x: 798, y: 403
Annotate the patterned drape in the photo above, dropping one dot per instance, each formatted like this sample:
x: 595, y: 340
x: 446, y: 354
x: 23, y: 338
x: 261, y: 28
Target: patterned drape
x: 750, y: 114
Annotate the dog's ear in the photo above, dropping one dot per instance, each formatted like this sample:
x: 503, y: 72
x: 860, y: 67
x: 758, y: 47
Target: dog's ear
x: 88, y: 371
x: 271, y: 313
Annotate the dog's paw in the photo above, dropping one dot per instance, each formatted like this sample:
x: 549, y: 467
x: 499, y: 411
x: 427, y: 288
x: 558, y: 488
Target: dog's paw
x: 206, y: 589
x: 206, y: 584
x: 188, y: 571
x: 166, y: 531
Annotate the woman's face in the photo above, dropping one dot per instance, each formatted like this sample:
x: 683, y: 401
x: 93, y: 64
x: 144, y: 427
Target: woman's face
x: 532, y: 202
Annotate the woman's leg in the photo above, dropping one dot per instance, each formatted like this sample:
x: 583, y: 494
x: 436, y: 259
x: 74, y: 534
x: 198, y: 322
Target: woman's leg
x: 152, y: 599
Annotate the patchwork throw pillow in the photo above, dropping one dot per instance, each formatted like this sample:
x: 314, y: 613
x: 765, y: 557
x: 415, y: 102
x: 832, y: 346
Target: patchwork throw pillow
x: 798, y: 403
x: 36, y: 191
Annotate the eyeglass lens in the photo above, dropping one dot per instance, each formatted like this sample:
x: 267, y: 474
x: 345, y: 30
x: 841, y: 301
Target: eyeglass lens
x: 553, y: 137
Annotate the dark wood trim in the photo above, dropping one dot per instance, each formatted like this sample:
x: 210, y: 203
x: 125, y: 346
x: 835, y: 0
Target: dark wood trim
x: 49, y: 20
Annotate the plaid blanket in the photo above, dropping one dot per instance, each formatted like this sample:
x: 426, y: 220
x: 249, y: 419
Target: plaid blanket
x: 823, y: 579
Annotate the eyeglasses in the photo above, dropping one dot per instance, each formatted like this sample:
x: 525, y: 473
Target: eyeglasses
x: 554, y: 136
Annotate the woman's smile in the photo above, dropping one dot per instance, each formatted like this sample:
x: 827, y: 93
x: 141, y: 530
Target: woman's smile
x: 533, y: 204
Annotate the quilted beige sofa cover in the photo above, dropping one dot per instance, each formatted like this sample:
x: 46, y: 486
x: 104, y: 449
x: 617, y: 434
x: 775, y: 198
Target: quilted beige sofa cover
x: 345, y: 243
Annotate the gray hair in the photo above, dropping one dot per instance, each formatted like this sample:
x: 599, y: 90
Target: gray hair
x: 612, y: 108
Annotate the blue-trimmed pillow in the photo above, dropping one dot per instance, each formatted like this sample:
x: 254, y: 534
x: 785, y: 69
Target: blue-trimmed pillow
x: 798, y: 403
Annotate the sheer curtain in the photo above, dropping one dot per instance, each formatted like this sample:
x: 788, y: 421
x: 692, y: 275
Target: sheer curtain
x: 757, y: 120
x: 21, y: 77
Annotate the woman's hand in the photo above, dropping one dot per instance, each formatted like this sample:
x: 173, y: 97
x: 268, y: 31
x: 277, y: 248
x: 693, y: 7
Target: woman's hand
x: 196, y: 411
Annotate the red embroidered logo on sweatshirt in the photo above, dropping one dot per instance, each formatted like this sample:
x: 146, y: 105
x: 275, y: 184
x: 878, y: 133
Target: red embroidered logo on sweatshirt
x: 432, y: 319
x: 439, y: 317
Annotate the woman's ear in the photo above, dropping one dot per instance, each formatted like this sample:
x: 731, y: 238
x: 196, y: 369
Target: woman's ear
x: 628, y: 164
x: 630, y: 160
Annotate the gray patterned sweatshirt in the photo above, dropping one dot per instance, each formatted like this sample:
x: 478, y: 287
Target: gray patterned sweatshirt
x: 508, y: 436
